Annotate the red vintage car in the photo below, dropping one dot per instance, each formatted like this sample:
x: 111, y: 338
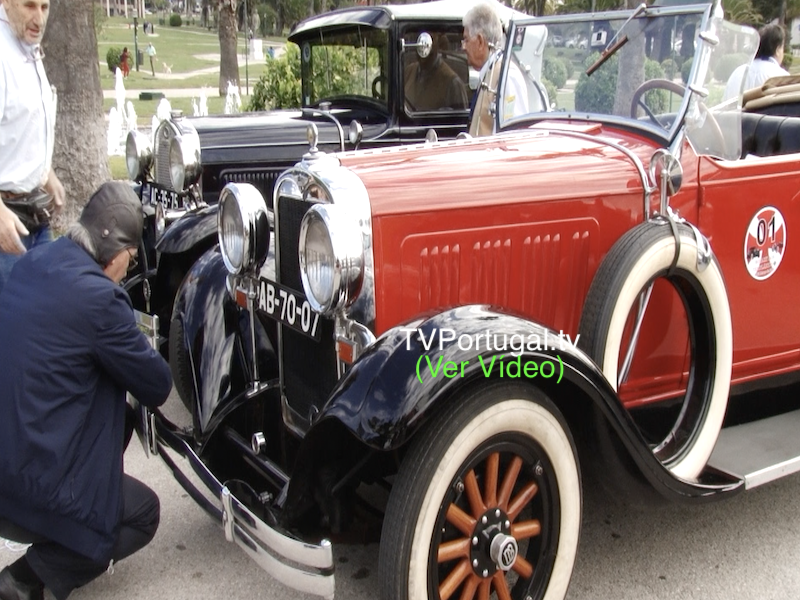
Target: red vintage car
x: 476, y: 325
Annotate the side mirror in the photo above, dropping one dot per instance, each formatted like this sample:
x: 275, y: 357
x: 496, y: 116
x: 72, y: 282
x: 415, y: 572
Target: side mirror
x: 666, y: 173
x: 424, y: 44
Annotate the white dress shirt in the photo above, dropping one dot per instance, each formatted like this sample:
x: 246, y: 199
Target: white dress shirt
x: 758, y: 72
x: 27, y: 113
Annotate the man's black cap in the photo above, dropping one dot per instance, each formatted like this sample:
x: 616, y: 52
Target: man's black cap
x: 113, y: 217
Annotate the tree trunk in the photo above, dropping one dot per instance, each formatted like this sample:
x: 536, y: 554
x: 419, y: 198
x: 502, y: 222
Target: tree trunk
x: 80, y: 157
x: 229, y: 60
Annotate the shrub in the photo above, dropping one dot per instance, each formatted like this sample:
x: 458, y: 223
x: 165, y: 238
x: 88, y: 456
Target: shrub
x: 568, y: 66
x: 112, y: 59
x: 279, y: 87
x: 685, y: 69
x: 670, y: 68
x: 598, y: 92
x: 555, y: 71
x: 175, y: 20
x: 552, y: 92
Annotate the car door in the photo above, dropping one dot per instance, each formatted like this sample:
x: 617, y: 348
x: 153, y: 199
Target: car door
x: 749, y: 209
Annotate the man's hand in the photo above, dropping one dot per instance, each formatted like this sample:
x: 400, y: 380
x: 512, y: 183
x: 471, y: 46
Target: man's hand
x: 11, y: 228
x: 55, y: 188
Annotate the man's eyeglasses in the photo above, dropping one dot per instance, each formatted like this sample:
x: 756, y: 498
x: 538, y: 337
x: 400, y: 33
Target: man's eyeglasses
x: 133, y: 261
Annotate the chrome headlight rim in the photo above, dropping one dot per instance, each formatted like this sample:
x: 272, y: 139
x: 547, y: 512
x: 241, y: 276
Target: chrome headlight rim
x: 347, y: 259
x: 242, y: 221
x: 138, y: 155
x: 184, y: 162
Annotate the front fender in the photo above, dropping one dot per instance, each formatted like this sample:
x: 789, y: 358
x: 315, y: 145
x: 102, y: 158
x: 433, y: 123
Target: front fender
x: 390, y: 392
x: 197, y: 228
x: 215, y: 335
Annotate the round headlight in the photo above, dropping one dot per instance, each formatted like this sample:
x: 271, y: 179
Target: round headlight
x: 331, y: 258
x: 138, y: 155
x: 184, y: 161
x: 242, y: 228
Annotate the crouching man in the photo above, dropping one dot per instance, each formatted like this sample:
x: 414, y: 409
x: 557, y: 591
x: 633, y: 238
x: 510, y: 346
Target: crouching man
x: 69, y: 350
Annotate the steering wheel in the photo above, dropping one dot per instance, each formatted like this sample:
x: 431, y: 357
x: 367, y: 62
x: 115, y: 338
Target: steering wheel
x: 637, y: 101
x: 378, y: 85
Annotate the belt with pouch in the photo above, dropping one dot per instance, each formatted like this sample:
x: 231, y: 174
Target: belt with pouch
x: 32, y: 208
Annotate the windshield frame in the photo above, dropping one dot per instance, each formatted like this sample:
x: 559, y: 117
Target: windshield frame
x: 697, y: 74
x: 323, y: 38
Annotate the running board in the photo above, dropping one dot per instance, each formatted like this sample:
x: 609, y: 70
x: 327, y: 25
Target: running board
x: 761, y: 451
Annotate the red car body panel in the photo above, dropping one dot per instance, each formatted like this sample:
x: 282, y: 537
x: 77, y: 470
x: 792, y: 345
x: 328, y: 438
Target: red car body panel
x: 446, y: 234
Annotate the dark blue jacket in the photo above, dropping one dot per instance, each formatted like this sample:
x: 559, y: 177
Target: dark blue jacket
x: 69, y: 350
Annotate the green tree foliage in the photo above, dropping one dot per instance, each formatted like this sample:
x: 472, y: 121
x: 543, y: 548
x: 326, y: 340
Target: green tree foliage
x: 581, y: 6
x: 279, y: 87
x: 113, y: 58
x: 597, y: 93
x: 175, y: 20
x: 555, y: 71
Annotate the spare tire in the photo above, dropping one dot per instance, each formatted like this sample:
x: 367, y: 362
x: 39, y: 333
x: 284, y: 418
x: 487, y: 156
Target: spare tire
x: 636, y: 260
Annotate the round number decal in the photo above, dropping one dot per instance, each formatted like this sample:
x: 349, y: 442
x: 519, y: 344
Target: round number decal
x: 764, y: 243
x: 306, y: 52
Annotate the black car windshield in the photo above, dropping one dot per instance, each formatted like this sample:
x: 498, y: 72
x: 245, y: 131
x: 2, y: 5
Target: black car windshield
x: 347, y: 63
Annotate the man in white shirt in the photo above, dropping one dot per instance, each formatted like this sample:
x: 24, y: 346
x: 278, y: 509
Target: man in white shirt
x: 766, y: 64
x: 27, y: 126
x: 483, y: 35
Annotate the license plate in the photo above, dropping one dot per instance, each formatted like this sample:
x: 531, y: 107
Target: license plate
x: 288, y: 307
x: 168, y: 199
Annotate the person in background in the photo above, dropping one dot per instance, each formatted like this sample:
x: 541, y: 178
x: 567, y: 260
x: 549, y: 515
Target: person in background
x: 70, y: 349
x: 123, y: 62
x: 30, y: 191
x: 430, y: 83
x: 151, y: 52
x: 765, y: 65
x: 483, y: 36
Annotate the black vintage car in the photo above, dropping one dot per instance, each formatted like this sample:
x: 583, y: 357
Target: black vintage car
x: 362, y: 85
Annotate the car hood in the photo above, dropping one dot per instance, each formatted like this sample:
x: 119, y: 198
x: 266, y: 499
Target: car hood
x: 272, y: 136
x: 530, y: 165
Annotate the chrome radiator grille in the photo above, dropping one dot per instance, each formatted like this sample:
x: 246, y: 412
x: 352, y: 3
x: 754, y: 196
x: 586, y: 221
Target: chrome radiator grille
x: 308, y: 366
x: 161, y: 158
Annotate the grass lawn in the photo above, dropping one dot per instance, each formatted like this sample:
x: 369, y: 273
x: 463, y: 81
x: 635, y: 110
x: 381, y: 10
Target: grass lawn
x: 185, y: 49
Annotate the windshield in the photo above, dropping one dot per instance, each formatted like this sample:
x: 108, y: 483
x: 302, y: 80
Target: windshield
x: 345, y: 63
x: 631, y: 65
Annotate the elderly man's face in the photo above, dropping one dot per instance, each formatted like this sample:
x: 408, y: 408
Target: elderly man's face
x: 28, y: 18
x: 476, y: 49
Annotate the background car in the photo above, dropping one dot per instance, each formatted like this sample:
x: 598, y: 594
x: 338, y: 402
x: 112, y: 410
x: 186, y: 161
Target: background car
x: 355, y: 65
x: 447, y: 338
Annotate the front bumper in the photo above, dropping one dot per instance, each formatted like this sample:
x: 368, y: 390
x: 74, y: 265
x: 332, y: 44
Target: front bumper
x: 299, y: 565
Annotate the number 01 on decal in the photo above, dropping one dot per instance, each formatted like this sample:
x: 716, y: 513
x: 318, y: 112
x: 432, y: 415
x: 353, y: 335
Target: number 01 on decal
x: 764, y: 243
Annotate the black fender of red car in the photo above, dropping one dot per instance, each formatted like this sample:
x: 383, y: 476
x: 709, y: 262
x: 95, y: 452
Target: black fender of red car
x: 391, y: 390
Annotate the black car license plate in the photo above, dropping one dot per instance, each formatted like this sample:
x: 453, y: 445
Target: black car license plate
x: 168, y: 199
x: 288, y: 307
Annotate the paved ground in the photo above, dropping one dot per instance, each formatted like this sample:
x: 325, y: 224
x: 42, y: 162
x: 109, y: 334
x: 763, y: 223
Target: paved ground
x: 747, y: 548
